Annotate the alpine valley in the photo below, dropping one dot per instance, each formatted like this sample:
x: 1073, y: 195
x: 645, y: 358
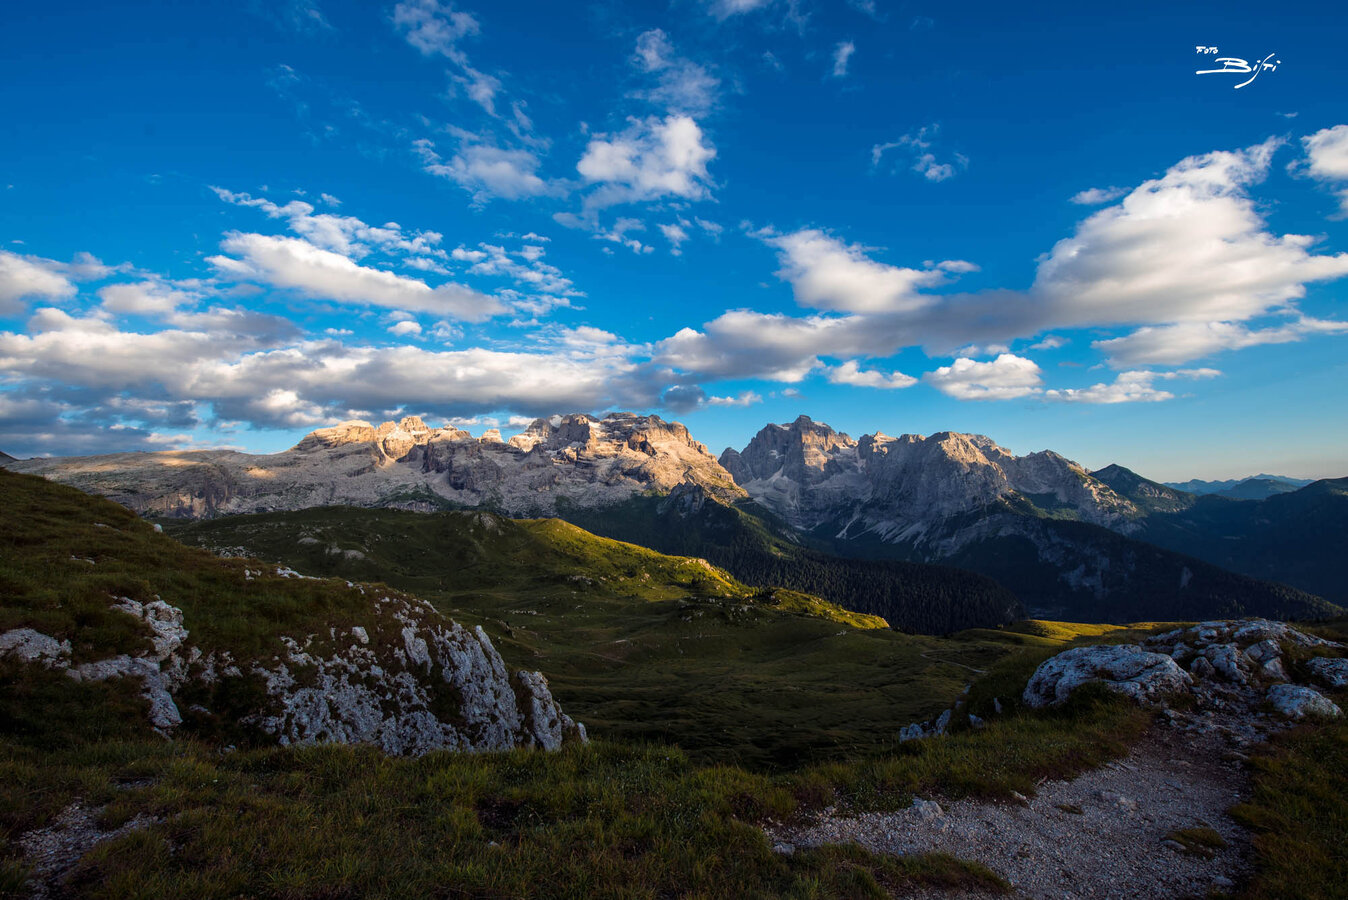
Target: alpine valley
x: 934, y: 533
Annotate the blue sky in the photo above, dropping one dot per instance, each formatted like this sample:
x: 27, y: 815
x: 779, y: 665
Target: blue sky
x: 227, y: 224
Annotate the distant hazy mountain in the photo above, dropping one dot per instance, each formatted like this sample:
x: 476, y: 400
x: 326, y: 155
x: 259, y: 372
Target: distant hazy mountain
x: 1253, y: 487
x: 1298, y: 537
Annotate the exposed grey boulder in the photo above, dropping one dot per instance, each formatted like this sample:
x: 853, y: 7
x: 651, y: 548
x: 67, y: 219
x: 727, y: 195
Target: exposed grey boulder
x: 1126, y: 668
x: 1297, y: 702
x: 1332, y: 672
x: 34, y: 646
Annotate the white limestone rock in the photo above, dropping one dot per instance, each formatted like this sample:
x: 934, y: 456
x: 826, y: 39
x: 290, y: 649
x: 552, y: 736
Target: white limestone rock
x: 1297, y: 702
x: 1126, y: 668
x: 34, y: 646
x: 164, y: 713
x: 1332, y: 673
x: 410, y: 683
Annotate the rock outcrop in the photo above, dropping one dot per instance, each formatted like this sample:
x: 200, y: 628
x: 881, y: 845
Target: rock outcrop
x: 1124, y: 668
x: 1227, y: 665
x: 407, y: 680
x: 575, y: 460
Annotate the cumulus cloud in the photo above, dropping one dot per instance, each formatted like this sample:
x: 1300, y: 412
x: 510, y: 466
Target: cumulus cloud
x: 486, y: 170
x: 1135, y: 386
x: 1188, y: 246
x: 153, y: 298
x: 1327, y: 158
x: 1186, y: 249
x: 27, y: 277
x: 828, y: 274
x: 1004, y: 378
x: 851, y: 373
x: 298, y: 265
x: 842, y: 54
x: 652, y: 158
x: 917, y: 146
x: 300, y: 384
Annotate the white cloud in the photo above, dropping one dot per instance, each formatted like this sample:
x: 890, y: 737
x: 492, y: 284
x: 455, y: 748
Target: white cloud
x: 850, y: 373
x: 724, y: 9
x: 1188, y: 246
x: 433, y: 27
x: 828, y: 274
x: 1175, y: 344
x: 744, y: 398
x: 1004, y: 378
x: 305, y: 383
x: 486, y: 170
x: 145, y: 298
x: 1327, y: 157
x: 405, y: 328
x: 618, y: 235
x: 526, y: 267
x: 1050, y: 342
x: 653, y: 158
x: 842, y: 54
x: 22, y: 277
x: 346, y: 235
x: 1096, y: 196
x: 675, y: 235
x: 917, y: 146
x: 321, y: 274
x: 746, y: 344
x: 683, y: 85
x: 1128, y: 387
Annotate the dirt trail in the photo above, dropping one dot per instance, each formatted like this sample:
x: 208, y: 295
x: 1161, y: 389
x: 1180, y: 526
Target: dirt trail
x: 1101, y: 835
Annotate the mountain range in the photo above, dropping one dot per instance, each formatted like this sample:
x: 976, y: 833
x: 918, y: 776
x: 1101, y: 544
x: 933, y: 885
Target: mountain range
x: 933, y: 532
x: 1253, y: 487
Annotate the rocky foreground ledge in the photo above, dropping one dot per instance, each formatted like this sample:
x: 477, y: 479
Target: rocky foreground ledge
x: 407, y: 680
x: 1249, y: 666
x: 1121, y: 830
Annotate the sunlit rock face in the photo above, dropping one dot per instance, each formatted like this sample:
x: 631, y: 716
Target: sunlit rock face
x: 576, y: 459
x: 911, y: 488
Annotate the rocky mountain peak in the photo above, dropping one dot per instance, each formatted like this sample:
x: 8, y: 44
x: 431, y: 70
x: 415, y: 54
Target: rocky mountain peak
x: 800, y: 450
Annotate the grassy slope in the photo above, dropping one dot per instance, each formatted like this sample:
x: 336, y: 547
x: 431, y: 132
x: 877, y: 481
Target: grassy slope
x: 759, y: 549
x: 637, y: 645
x: 603, y: 820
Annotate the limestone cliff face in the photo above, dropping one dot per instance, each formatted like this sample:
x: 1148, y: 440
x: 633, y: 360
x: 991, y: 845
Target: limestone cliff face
x: 911, y: 488
x: 576, y: 459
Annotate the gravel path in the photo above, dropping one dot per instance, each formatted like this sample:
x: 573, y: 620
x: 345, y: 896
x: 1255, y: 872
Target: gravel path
x: 53, y: 851
x: 1101, y: 835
